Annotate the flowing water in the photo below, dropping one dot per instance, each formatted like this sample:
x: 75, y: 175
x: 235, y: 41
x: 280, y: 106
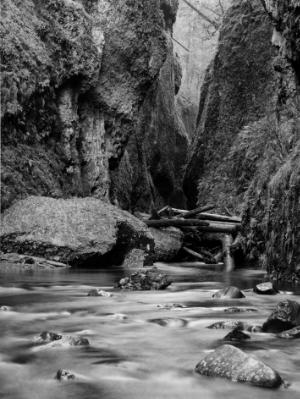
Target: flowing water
x: 132, y: 355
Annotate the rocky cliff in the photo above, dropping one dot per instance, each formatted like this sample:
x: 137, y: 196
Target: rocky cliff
x: 245, y: 155
x: 79, y: 80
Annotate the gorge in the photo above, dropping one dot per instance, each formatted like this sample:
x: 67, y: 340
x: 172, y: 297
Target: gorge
x: 147, y: 146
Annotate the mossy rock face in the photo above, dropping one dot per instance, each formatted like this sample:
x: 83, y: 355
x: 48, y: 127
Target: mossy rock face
x: 77, y: 231
x: 79, y: 81
x: 245, y: 156
x: 230, y: 362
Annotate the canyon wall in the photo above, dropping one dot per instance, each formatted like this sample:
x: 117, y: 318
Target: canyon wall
x: 245, y: 156
x: 79, y: 80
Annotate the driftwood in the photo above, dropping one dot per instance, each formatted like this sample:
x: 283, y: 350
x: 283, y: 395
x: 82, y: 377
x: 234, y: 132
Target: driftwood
x: 219, y: 228
x: 196, y: 211
x: 219, y: 218
x: 176, y: 223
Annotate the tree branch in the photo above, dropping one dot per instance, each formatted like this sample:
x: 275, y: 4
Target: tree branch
x: 203, y: 16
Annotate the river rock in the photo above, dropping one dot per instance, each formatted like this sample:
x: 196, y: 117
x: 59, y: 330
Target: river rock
x: 284, y: 317
x: 235, y: 309
x: 170, y: 322
x: 228, y: 292
x: 151, y: 279
x: 64, y: 375
x: 78, y: 231
x: 227, y: 324
x: 52, y: 340
x: 290, y: 334
x: 4, y: 308
x: 230, y: 362
x: 99, y: 292
x: 265, y: 289
x: 235, y: 324
x: 236, y: 335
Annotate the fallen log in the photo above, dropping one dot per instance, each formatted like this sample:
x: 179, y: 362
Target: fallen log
x: 219, y: 218
x: 176, y: 223
x: 207, y: 254
x: 219, y: 228
x: 193, y: 253
x: 196, y: 211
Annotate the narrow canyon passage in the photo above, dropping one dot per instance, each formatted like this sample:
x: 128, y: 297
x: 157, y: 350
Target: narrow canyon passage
x: 150, y: 199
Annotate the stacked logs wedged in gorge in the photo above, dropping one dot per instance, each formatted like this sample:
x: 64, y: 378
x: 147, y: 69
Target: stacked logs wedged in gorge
x: 200, y: 221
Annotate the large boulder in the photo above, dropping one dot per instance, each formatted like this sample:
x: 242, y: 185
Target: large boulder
x: 285, y: 316
x: 230, y: 362
x: 78, y: 231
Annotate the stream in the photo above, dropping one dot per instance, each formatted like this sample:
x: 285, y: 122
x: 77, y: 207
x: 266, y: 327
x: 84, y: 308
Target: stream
x: 139, y: 347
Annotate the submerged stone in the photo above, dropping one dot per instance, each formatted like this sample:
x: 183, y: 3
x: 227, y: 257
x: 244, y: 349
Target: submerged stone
x: 64, y: 375
x: 239, y: 310
x: 284, y: 317
x: 230, y: 362
x: 236, y: 335
x: 290, y: 334
x: 151, y: 279
x: 4, y: 308
x: 170, y: 322
x: 99, y: 292
x: 50, y: 340
x: 228, y: 324
x: 265, y: 289
x: 229, y: 292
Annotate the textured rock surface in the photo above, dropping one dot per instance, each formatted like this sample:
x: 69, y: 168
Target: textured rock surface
x: 151, y: 279
x: 245, y: 155
x: 232, y: 363
x: 75, y: 230
x: 236, y: 90
x: 265, y: 289
x: 168, y: 243
x: 285, y: 316
x: 75, y: 75
x: 229, y: 292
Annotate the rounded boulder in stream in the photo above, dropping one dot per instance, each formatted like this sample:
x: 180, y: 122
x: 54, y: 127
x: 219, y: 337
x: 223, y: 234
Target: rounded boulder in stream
x: 230, y: 362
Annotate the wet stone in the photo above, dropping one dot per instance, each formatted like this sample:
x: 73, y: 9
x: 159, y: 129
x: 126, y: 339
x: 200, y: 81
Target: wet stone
x: 228, y: 292
x: 170, y: 322
x: 99, y: 292
x: 151, y: 279
x: 64, y: 375
x: 230, y: 362
x: 290, y: 334
x: 51, y: 339
x: 4, y: 308
x: 239, y: 310
x: 48, y: 336
x: 228, y: 324
x: 236, y: 335
x: 265, y: 289
x: 284, y: 317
